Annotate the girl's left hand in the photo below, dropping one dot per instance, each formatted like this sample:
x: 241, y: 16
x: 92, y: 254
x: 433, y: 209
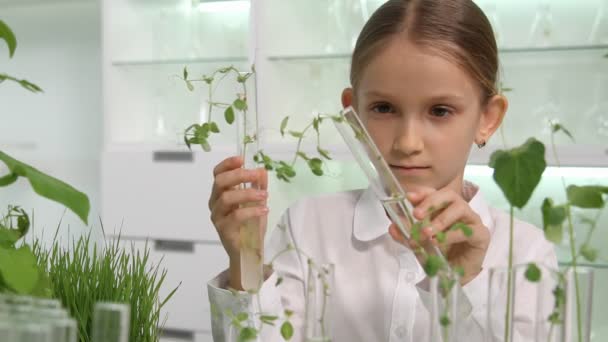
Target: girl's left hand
x: 447, y: 208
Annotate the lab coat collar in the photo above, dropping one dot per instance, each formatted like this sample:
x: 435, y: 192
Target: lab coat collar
x: 371, y: 222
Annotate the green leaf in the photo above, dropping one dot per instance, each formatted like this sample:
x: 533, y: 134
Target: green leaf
x: 553, y: 219
x: 441, y: 237
x: 466, y: 230
x: 9, y: 37
x: 444, y: 321
x: 587, y: 197
x: 8, y: 179
x: 205, y: 145
x: 295, y: 134
x: 288, y: 313
x: 18, y: 269
x: 30, y: 86
x: 589, y: 253
x: 432, y: 265
x: 533, y: 273
x: 315, y: 165
x: 302, y: 155
x: 554, y: 318
x: 287, y: 330
x: 240, y: 104
x: 518, y: 171
x: 279, y: 281
x: 8, y: 237
x: 51, y: 188
x: 189, y: 85
x: 185, y: 73
x: 284, y: 125
x: 268, y: 319
x: 315, y: 124
x: 248, y: 333
x: 187, y: 142
x: 229, y: 115
x: 459, y: 270
x: 213, y: 127
x: 242, y: 316
x: 323, y: 153
x: 556, y: 127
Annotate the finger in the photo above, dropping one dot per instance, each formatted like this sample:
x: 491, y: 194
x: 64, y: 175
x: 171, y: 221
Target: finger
x: 228, y: 164
x: 234, y: 198
x: 262, y: 180
x: 240, y: 215
x: 456, y: 212
x: 396, y: 234
x: 434, y: 203
x: 453, y: 237
x: 228, y: 180
x: 416, y: 196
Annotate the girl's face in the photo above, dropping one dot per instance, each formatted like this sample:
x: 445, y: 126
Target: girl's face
x: 424, y: 113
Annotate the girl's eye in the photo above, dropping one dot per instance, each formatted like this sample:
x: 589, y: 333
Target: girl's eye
x: 440, y: 112
x: 382, y: 108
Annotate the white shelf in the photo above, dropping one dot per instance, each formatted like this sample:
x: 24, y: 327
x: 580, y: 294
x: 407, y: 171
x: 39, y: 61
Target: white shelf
x: 180, y: 61
x: 603, y: 49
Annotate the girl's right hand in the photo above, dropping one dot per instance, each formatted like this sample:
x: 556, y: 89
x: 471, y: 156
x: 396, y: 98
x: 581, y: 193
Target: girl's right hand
x: 227, y: 213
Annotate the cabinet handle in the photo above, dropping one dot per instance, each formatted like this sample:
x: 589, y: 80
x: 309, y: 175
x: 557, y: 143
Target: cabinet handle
x: 178, y: 334
x: 174, y: 246
x: 173, y: 156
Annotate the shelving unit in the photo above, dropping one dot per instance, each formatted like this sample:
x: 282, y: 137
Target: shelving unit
x: 303, y: 65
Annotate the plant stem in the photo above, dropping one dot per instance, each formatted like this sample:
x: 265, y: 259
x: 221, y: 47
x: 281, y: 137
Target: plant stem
x: 574, y: 269
x: 509, y: 280
x: 572, y: 244
x: 295, y: 158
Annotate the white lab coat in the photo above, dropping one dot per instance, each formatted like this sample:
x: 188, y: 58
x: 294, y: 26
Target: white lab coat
x: 378, y: 296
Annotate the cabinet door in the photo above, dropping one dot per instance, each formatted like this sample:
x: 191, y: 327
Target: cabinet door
x: 160, y: 195
x: 190, y: 266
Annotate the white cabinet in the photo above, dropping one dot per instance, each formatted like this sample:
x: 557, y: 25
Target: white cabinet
x: 160, y: 190
x: 189, y: 266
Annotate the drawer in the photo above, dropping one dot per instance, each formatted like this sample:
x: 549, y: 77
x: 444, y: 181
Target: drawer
x: 193, y: 265
x: 198, y: 337
x: 161, y: 195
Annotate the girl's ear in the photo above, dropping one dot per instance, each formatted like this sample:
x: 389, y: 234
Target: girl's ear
x: 491, y: 117
x: 347, y: 97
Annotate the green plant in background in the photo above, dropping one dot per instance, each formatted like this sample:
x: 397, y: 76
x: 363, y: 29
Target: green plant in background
x: 19, y: 272
x: 517, y: 172
x: 82, y: 276
x: 199, y: 134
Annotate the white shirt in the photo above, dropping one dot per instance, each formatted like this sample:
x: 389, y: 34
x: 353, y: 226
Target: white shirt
x: 377, y: 294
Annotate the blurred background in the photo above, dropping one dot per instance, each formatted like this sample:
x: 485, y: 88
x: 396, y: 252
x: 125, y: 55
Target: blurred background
x: 114, y: 109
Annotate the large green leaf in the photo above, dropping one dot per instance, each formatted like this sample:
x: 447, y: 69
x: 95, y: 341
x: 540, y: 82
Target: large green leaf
x: 518, y: 171
x: 8, y: 237
x: 9, y: 37
x: 587, y: 197
x: 18, y: 269
x: 49, y: 187
x: 553, y: 219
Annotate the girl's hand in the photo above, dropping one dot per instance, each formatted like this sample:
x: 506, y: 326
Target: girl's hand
x: 227, y: 213
x: 447, y: 208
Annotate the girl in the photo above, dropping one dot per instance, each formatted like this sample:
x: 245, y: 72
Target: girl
x: 423, y: 76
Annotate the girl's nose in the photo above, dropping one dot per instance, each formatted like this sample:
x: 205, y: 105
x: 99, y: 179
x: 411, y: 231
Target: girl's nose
x: 408, y: 138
